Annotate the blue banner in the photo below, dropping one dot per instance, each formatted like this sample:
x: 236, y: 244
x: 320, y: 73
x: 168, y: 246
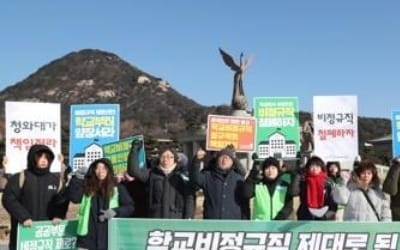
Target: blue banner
x: 91, y: 126
x: 396, y: 133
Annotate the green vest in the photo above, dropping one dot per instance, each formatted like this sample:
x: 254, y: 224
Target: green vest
x: 266, y: 207
x: 84, y: 212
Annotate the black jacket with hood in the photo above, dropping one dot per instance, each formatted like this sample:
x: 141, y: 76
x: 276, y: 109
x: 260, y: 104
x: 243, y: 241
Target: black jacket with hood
x: 170, y: 196
x: 223, y: 190
x: 391, y: 185
x: 38, y: 198
x: 97, y: 237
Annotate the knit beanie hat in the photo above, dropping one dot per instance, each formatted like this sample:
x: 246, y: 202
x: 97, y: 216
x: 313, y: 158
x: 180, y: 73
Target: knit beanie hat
x: 270, y: 161
x: 228, y: 152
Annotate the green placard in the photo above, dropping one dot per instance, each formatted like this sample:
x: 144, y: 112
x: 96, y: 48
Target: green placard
x: 43, y: 235
x: 223, y: 234
x: 118, y: 152
x: 278, y: 131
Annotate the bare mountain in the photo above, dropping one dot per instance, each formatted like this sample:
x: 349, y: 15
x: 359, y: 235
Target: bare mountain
x: 148, y: 104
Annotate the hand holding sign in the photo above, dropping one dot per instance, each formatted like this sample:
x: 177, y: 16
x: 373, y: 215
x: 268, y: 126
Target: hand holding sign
x: 137, y: 144
x: 27, y: 223
x: 56, y: 221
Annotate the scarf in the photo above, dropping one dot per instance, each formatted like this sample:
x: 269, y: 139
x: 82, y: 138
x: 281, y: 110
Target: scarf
x: 315, y: 189
x: 169, y: 170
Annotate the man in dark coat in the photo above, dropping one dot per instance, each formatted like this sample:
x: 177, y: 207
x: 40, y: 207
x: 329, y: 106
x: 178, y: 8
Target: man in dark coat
x: 222, y: 185
x: 37, y: 197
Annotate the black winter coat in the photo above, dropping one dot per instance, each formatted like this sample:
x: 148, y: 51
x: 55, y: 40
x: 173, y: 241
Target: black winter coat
x: 223, y: 192
x: 391, y: 185
x: 169, y: 196
x: 97, y: 237
x: 38, y: 199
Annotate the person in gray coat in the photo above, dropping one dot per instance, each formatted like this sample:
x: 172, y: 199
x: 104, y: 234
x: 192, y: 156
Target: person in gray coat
x: 363, y: 198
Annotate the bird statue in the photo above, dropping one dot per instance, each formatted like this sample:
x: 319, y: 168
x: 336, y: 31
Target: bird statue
x: 239, y: 101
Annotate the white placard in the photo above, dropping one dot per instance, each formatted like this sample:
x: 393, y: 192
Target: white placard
x: 335, y: 127
x: 30, y: 123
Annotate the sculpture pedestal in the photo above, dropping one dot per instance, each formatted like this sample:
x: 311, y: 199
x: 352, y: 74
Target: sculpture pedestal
x: 240, y: 112
x: 244, y: 158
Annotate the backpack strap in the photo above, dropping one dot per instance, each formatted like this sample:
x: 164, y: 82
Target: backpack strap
x: 21, y: 180
x: 370, y: 203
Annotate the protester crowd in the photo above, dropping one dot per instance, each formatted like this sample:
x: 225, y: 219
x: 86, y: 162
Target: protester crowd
x: 167, y: 187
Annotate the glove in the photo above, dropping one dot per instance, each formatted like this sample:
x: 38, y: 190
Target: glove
x: 396, y: 161
x: 80, y: 173
x: 330, y: 215
x: 106, y: 214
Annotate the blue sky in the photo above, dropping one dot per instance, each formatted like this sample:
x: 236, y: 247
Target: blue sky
x: 300, y: 48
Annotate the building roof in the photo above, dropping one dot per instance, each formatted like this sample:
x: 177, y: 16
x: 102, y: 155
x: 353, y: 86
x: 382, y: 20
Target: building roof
x: 277, y: 132
x: 91, y: 144
x: 79, y: 155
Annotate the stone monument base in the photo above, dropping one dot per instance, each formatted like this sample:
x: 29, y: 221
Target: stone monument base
x: 244, y: 158
x: 240, y: 112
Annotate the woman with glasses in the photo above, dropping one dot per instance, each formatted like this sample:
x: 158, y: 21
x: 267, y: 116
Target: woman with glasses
x: 170, y: 194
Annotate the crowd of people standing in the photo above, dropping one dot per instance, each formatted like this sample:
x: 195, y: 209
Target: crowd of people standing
x: 168, y: 189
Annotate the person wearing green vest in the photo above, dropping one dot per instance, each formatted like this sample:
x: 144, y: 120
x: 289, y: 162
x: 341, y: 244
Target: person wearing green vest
x: 100, y: 200
x: 272, y: 199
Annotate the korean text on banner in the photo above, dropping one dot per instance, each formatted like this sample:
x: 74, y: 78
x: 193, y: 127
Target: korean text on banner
x: 43, y: 235
x: 336, y: 127
x: 118, y: 152
x: 278, y: 132
x: 92, y: 125
x: 230, y: 130
x: 396, y: 133
x: 29, y: 123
